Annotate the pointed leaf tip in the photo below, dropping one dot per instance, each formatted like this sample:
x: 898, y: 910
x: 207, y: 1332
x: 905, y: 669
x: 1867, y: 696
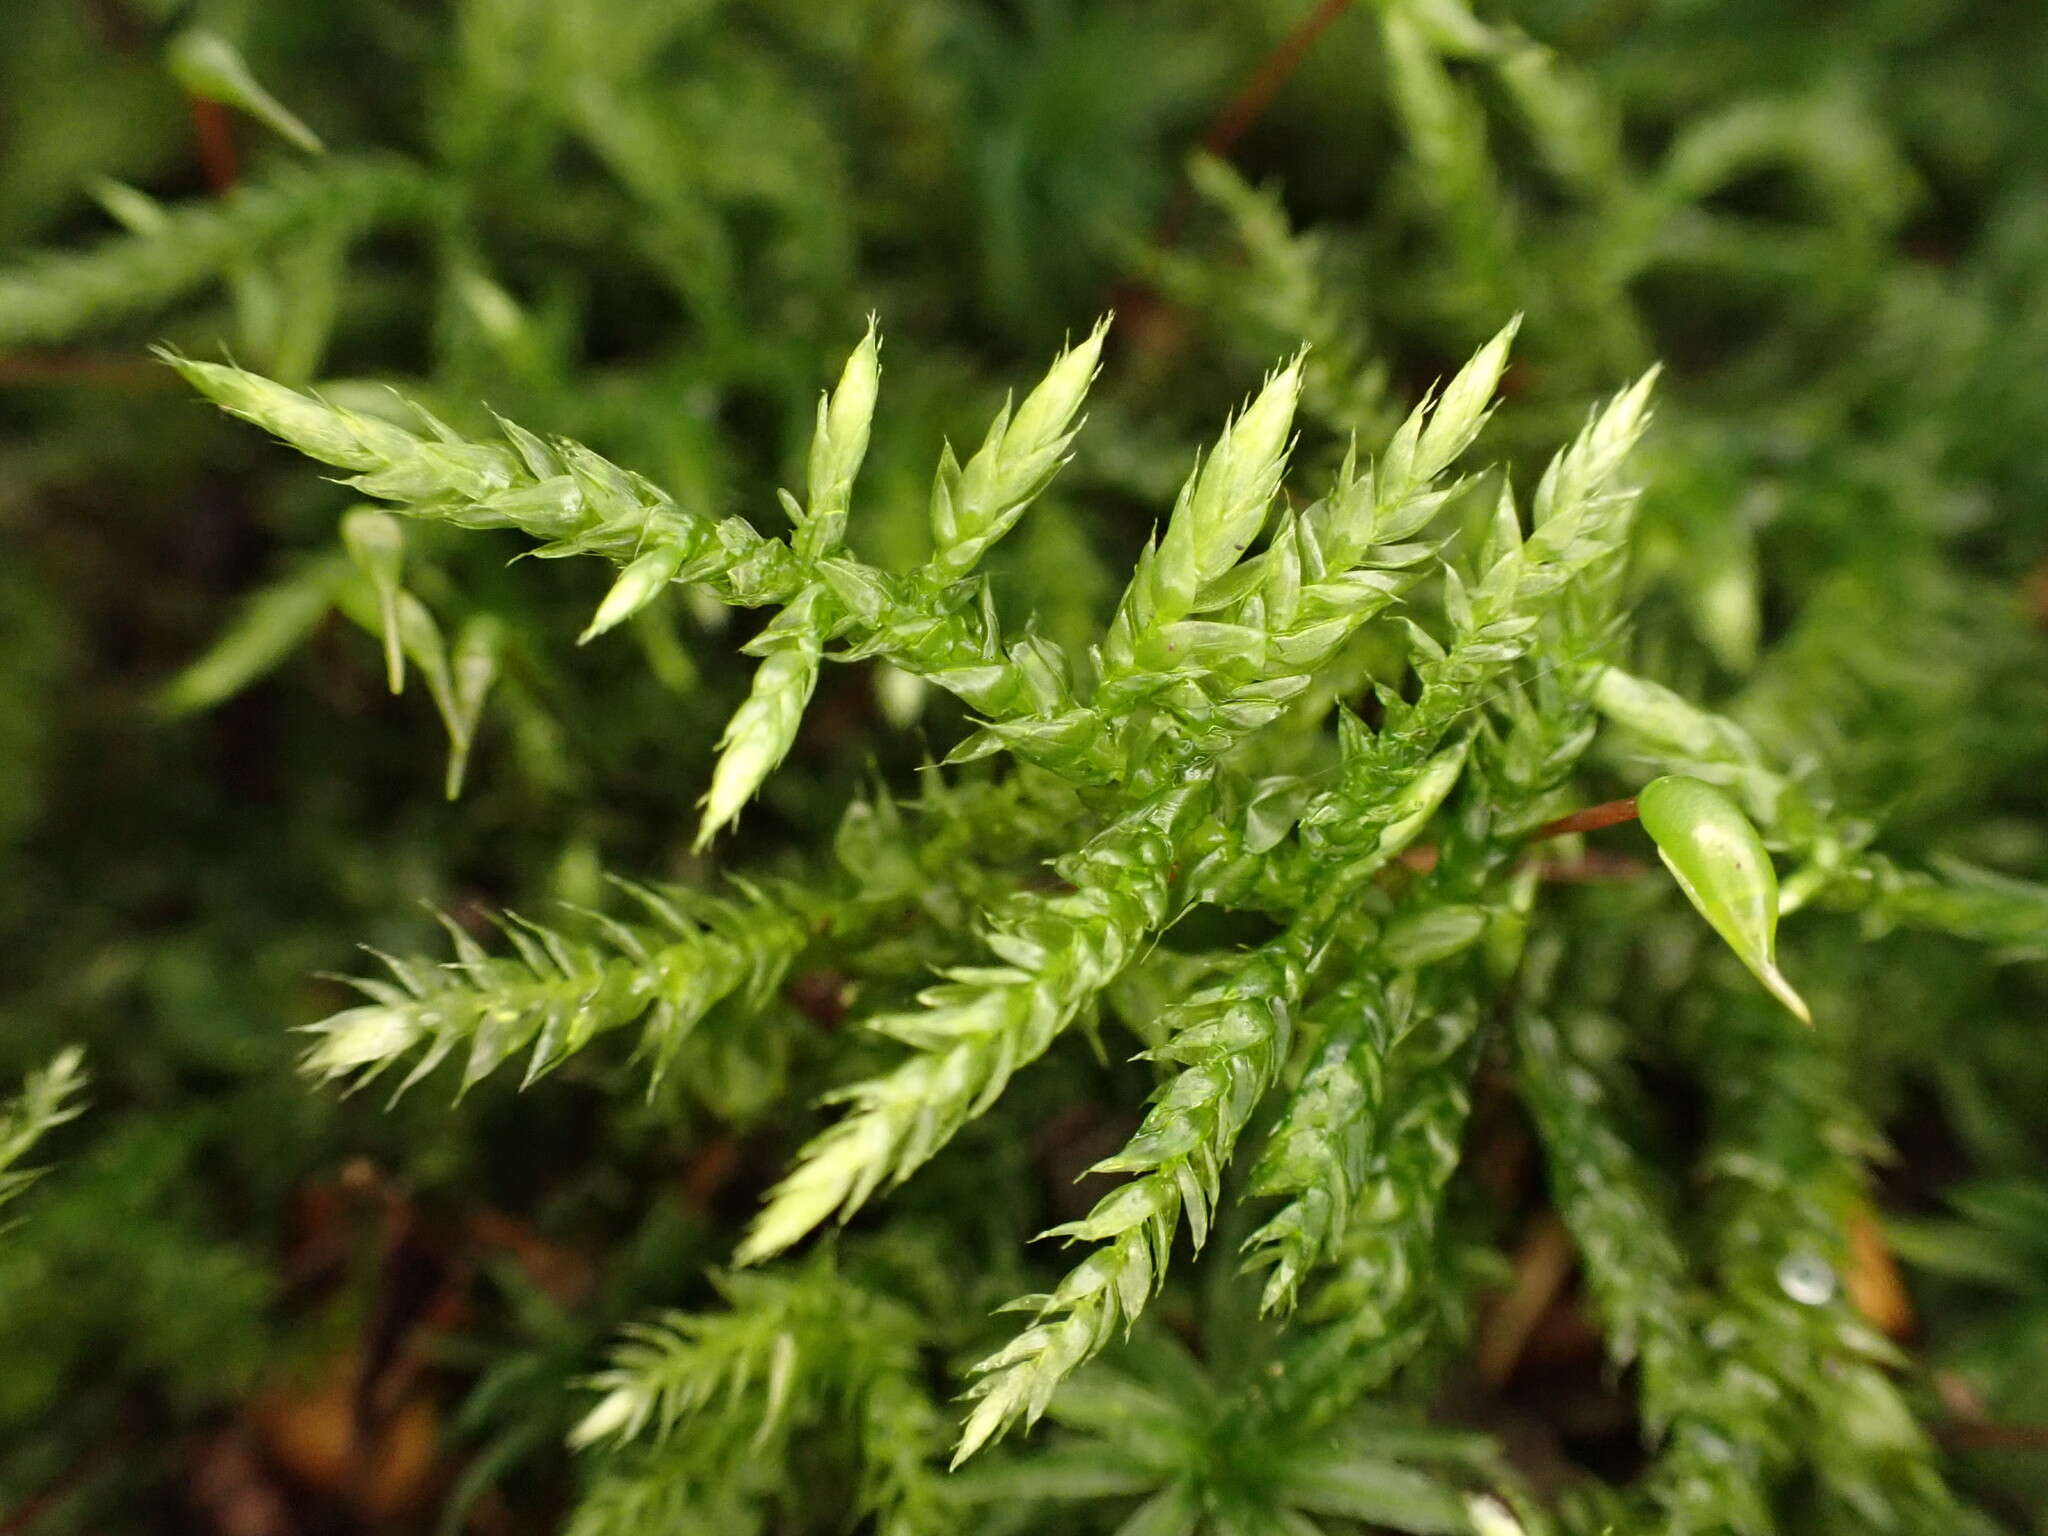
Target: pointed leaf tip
x: 637, y: 586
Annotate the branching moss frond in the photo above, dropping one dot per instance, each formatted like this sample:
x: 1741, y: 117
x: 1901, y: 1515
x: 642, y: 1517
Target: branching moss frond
x: 1318, y: 1154
x: 983, y: 1023
x: 556, y: 993
x: 791, y: 1353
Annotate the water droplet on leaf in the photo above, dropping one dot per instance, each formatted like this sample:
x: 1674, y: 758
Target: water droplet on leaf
x: 1807, y: 1278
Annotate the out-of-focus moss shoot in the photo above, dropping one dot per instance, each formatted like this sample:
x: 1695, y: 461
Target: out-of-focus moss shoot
x: 213, y: 69
x: 376, y: 543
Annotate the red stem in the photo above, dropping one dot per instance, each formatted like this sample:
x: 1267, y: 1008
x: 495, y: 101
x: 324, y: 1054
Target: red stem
x: 1995, y: 1437
x: 1591, y: 819
x: 216, y: 143
x: 1249, y: 104
x: 42, y: 368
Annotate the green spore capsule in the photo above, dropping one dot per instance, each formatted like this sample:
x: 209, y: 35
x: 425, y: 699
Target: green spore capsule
x: 1719, y: 862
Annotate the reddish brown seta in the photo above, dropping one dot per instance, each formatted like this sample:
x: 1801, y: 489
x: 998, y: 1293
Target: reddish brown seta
x: 1591, y: 819
x: 216, y: 133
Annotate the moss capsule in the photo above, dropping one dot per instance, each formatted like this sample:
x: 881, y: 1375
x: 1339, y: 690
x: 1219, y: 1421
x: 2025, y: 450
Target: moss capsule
x: 1719, y: 862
